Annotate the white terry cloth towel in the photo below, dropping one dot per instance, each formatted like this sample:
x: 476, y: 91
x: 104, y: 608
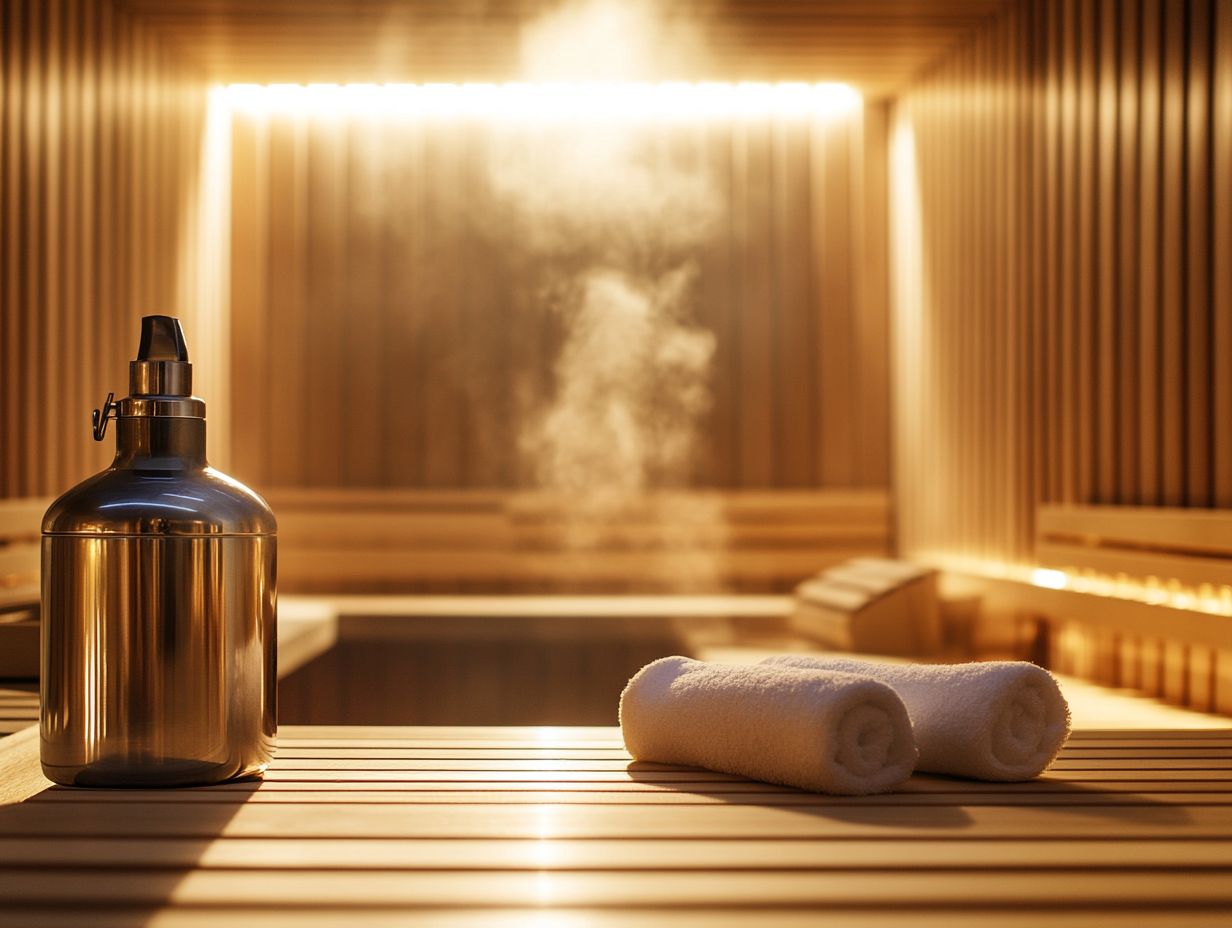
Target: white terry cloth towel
x: 818, y: 730
x: 1000, y: 720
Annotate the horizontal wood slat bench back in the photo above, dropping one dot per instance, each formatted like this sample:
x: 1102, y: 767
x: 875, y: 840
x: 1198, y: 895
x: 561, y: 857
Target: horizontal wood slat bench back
x: 483, y: 826
x: 335, y: 540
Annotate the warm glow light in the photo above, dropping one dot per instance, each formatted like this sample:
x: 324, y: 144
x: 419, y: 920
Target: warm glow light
x: 596, y: 101
x: 1152, y: 591
x: 1049, y: 579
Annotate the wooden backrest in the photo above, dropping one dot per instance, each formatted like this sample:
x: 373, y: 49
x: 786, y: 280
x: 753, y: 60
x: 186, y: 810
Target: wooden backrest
x: 334, y: 540
x: 1175, y: 563
x: 1189, y: 547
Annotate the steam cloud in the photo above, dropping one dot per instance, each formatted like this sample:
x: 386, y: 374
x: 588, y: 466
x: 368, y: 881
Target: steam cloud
x: 619, y: 221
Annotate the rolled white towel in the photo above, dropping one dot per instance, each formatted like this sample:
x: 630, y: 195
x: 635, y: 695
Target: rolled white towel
x: 1001, y: 720
x: 831, y: 732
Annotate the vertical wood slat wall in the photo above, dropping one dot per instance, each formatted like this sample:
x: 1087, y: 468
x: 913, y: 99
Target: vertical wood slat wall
x: 99, y: 154
x: 390, y: 330
x: 1062, y: 228
x: 1063, y: 305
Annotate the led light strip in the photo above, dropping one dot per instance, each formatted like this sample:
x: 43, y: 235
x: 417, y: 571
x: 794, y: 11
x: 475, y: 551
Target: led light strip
x: 1209, y: 598
x: 547, y: 102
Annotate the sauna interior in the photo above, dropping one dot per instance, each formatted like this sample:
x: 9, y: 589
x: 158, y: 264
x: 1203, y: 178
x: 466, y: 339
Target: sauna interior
x: 559, y: 337
x: 664, y: 300
x: 565, y: 336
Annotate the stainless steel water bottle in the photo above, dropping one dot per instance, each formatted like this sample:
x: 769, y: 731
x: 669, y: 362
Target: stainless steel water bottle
x: 158, y: 599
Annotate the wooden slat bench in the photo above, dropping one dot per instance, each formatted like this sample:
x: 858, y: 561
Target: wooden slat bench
x: 493, y: 826
x: 1173, y: 559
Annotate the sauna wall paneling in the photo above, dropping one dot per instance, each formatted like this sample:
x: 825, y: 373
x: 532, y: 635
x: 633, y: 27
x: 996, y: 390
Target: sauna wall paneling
x: 1110, y: 301
x: 406, y: 336
x: 1221, y: 293
x: 99, y: 166
x: 1093, y: 166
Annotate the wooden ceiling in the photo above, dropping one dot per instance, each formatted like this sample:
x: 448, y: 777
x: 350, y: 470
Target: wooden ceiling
x: 876, y: 45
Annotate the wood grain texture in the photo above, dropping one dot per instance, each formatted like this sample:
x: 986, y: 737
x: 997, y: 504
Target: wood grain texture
x: 351, y: 540
x: 1125, y: 405
x: 1146, y: 838
x: 99, y: 166
x: 1116, y: 120
x: 372, y: 353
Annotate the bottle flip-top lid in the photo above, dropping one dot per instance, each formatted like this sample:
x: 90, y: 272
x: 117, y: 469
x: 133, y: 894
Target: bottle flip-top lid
x: 161, y: 367
x: 159, y: 484
x: 159, y: 378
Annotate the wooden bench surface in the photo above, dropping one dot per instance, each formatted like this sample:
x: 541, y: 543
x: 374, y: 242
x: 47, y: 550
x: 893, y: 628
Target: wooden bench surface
x: 490, y: 826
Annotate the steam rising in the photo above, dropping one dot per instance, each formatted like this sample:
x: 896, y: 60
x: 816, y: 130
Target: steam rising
x: 610, y: 40
x: 619, y: 221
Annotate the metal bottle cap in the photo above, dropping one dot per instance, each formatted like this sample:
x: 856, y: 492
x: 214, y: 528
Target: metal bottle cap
x: 159, y: 380
x: 162, y: 367
x: 160, y: 483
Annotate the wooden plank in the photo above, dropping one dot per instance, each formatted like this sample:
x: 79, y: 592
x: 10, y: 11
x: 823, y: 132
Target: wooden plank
x: 334, y: 820
x: 304, y: 638
x: 692, y: 917
x: 307, y: 799
x: 837, y: 503
x: 1141, y: 526
x: 290, y: 750
x: 1221, y: 285
x: 874, y: 303
x: 442, y: 211
x: 286, y: 376
x: 1171, y: 257
x: 751, y: 212
x: 517, y: 609
x: 1105, y: 177
x: 1127, y: 254
x: 49, y: 382
x: 561, y: 854
x: 1086, y: 288
x: 21, y: 775
x: 326, y: 308
x: 326, y: 567
x: 1149, y: 143
x: 1068, y: 195
x: 579, y: 889
x: 618, y: 770
x: 248, y: 297
x: 1111, y: 562
x: 1197, y: 788
x: 1126, y: 616
x: 1197, y: 359
x: 10, y: 236
x: 32, y: 309
x: 789, y: 173
x: 328, y: 529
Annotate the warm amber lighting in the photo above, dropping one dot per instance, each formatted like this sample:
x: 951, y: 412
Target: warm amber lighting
x: 548, y: 102
x: 1048, y: 578
x: 1153, y: 591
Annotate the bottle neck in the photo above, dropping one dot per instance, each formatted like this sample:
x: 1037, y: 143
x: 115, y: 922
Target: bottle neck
x: 162, y: 443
